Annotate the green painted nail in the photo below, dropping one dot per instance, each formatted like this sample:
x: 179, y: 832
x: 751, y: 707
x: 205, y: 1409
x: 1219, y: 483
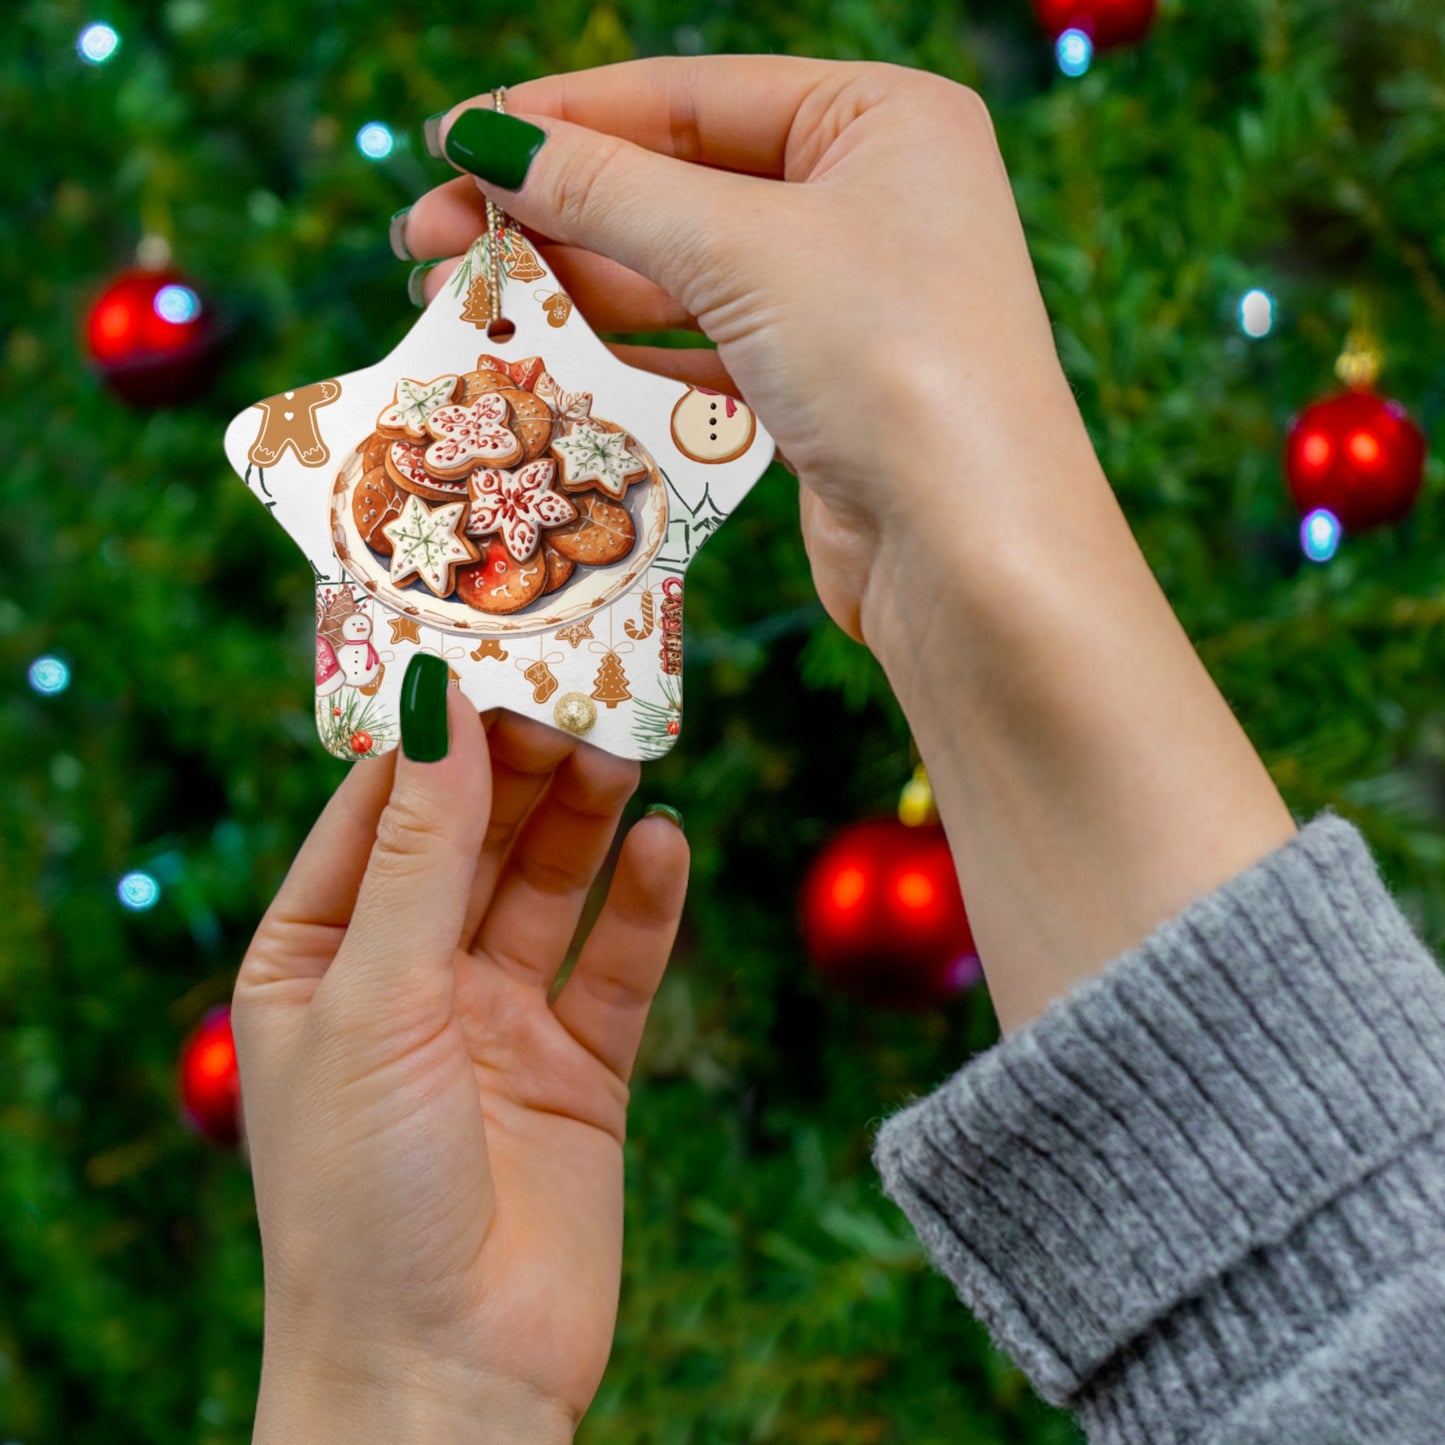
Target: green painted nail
x: 396, y: 234
x: 671, y: 814
x: 498, y: 148
x: 424, y: 708
x: 431, y: 133
x: 414, y: 293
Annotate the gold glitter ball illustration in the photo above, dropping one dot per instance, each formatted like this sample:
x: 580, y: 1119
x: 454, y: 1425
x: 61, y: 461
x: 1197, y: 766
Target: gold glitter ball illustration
x: 575, y: 713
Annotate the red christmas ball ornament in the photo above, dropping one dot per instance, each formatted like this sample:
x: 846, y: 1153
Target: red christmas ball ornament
x: 152, y: 338
x: 361, y: 743
x: 1107, y: 23
x: 883, y: 918
x: 1359, y: 456
x: 210, y: 1082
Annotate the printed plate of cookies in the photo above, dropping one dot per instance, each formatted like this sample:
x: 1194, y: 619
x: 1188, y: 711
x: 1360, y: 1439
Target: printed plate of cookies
x: 494, y: 501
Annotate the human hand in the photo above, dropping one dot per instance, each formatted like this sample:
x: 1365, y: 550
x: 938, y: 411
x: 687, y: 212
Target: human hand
x: 437, y: 1149
x: 879, y: 311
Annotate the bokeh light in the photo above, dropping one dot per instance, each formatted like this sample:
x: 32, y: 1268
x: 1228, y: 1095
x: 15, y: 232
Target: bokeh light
x: 177, y: 304
x: 1075, y: 52
x: 1256, y: 313
x: 49, y: 675
x: 375, y: 140
x: 1319, y: 535
x: 97, y: 43
x: 138, y: 891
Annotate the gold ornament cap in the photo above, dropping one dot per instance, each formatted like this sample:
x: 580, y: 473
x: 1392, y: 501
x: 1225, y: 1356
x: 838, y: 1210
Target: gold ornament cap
x: 575, y: 713
x: 1359, y: 364
x: 915, y: 804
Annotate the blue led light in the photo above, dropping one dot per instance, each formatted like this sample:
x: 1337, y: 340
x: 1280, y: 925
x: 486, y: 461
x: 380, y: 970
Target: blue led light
x: 1075, y: 52
x: 138, y: 891
x: 375, y: 140
x: 1319, y: 535
x: 49, y: 675
x: 177, y: 304
x: 97, y: 43
x: 1256, y: 313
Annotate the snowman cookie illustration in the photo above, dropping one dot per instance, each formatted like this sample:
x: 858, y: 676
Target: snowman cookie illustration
x: 356, y: 657
x: 709, y: 426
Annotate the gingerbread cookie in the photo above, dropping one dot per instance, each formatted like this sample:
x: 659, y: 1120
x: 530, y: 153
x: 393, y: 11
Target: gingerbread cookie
x: 531, y: 416
x: 523, y: 373
x: 289, y: 421
x: 376, y: 501
x: 427, y: 543
x: 559, y: 568
x: 405, y: 419
x: 709, y: 426
x: 405, y: 466
x: 468, y: 437
x: 499, y: 583
x: 531, y: 420
x: 517, y: 505
x: 569, y: 406
x: 602, y: 533
x: 594, y: 457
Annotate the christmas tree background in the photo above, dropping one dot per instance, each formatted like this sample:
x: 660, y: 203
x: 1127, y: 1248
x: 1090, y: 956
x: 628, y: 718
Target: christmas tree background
x: 771, y: 1292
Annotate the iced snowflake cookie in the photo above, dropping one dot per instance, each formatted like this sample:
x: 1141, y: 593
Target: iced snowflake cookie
x: 426, y: 542
x: 516, y: 506
x: 467, y: 437
x: 405, y: 419
x: 592, y: 456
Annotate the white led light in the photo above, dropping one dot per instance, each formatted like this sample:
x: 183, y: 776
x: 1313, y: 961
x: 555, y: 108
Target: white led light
x: 375, y: 140
x: 177, y: 304
x: 97, y: 43
x: 1256, y: 313
x: 138, y: 891
x: 49, y: 675
x: 1075, y: 52
x: 1319, y: 535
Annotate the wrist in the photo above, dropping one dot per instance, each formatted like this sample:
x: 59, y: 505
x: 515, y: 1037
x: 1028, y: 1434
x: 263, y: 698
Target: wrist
x: 1002, y: 496
x: 396, y: 1401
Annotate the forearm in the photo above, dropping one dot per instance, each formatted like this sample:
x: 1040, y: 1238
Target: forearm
x: 1091, y: 778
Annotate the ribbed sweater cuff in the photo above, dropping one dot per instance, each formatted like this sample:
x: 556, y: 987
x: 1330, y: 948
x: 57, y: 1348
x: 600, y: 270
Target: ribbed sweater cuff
x: 1180, y: 1155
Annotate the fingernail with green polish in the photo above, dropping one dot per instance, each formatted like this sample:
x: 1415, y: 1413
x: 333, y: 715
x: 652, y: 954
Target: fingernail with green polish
x: 431, y: 133
x: 671, y: 814
x: 424, y: 708
x: 396, y: 234
x: 497, y: 147
x: 414, y: 293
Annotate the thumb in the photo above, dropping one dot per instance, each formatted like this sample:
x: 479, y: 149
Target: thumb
x: 412, y: 901
x: 667, y: 219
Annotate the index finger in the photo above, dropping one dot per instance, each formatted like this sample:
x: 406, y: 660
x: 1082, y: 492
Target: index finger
x: 734, y: 112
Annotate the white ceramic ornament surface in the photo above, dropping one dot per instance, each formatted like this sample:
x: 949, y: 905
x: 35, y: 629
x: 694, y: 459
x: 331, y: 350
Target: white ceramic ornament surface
x: 526, y: 510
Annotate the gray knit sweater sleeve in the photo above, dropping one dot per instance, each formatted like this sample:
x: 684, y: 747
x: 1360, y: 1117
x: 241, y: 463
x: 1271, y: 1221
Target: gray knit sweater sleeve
x: 1201, y: 1201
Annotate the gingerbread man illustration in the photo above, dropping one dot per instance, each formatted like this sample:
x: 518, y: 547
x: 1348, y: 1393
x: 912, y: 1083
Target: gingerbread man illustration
x: 289, y: 420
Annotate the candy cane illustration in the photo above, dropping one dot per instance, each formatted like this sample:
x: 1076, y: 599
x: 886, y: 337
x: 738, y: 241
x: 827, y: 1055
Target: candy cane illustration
x: 635, y: 632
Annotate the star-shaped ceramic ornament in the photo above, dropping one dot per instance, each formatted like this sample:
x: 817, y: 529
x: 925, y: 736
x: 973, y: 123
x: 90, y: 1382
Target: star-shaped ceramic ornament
x: 524, y: 509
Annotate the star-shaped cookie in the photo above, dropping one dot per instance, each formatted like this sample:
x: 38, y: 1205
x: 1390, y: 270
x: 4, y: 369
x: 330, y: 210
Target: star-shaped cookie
x: 425, y: 543
x: 517, y: 505
x: 414, y: 402
x: 591, y: 455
